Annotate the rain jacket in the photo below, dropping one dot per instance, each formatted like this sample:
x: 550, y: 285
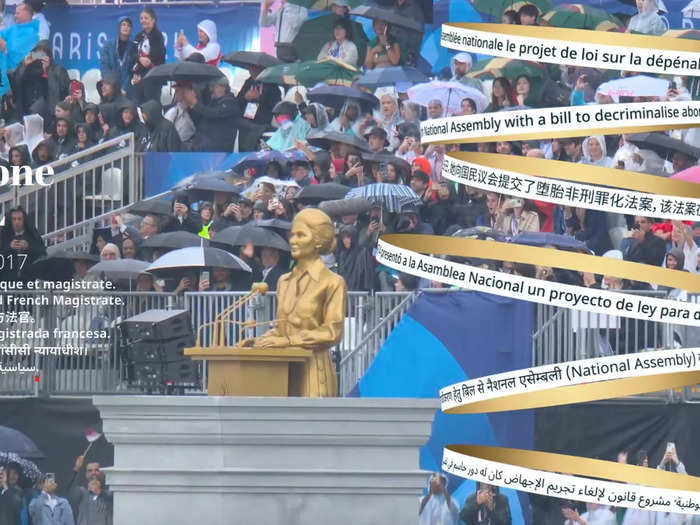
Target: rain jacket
x: 211, y: 51
x: 159, y: 132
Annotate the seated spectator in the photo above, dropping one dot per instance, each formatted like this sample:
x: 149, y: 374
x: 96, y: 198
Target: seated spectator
x: 514, y: 218
x: 110, y: 252
x: 300, y: 172
x: 647, y: 21
x: 291, y: 126
x: 377, y: 139
x: 341, y: 47
x: 215, y: 122
x: 523, y: 91
x: 355, y: 261
x: 486, y: 506
x: 408, y: 221
x: 315, y: 114
x: 595, y: 152
x: 82, y: 138
x: 348, y: 120
x: 127, y: 121
x: 118, y: 56
x: 129, y: 248
x: 43, y: 154
x: 208, y: 44
x: 527, y: 15
x: 435, y: 109
x: 49, y: 509
x: 272, y: 267
x: 383, y: 50
x: 502, y: 95
x: 181, y: 219
x: 645, y: 247
x: 256, y: 101
x: 76, y: 101
x: 91, y: 119
x: 460, y: 64
x: 589, y: 226
x: 19, y: 238
x: 63, y: 139
x: 420, y: 183
x: 110, y: 92
x: 237, y: 213
x: 39, y: 83
x: 159, y: 133
x: 148, y: 226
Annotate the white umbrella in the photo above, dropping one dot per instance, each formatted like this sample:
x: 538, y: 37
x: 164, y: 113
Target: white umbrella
x: 196, y: 258
x: 692, y: 10
x: 450, y: 94
x: 635, y: 86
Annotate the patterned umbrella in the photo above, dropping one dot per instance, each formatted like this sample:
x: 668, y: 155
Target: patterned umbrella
x: 579, y: 16
x: 496, y: 8
x: 29, y: 472
x: 310, y: 73
x: 508, y: 67
x: 393, y: 196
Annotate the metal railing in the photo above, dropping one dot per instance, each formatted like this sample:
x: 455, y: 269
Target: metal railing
x: 84, y: 185
x: 558, y: 335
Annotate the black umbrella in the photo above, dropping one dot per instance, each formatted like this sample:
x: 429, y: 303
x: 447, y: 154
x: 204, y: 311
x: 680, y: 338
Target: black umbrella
x: 242, y: 235
x: 203, y: 188
x: 340, y: 207
x: 245, y: 59
x: 322, y: 192
x: 480, y: 232
x: 325, y: 140
x: 275, y: 224
x: 172, y: 240
x: 57, y: 265
x: 196, y: 258
x: 128, y: 269
x: 184, y: 72
x: 336, y: 96
x: 387, y: 158
x: 390, y: 76
x: 220, y: 175
x: 14, y: 441
x: 662, y: 144
x: 151, y: 207
x: 377, y: 13
x: 563, y: 242
x: 29, y: 473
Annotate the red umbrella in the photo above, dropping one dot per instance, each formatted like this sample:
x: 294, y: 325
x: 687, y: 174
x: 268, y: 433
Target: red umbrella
x: 691, y: 174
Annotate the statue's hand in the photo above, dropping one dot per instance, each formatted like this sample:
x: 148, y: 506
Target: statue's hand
x: 271, y: 342
x: 247, y: 343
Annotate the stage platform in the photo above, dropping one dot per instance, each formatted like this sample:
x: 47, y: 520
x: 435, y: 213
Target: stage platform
x: 265, y: 460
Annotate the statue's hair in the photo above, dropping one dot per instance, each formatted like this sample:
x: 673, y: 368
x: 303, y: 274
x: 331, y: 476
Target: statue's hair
x: 321, y: 227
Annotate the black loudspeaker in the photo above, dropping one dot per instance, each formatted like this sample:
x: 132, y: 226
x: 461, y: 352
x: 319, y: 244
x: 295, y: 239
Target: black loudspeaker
x: 153, y: 344
x: 157, y: 325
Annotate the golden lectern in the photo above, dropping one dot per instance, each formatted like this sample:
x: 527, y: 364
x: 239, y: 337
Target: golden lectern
x: 293, y: 358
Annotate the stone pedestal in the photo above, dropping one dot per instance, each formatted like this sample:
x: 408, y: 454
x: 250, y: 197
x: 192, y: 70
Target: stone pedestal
x: 265, y: 460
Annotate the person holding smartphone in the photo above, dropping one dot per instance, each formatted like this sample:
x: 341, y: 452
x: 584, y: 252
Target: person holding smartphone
x: 486, y: 506
x: 670, y: 460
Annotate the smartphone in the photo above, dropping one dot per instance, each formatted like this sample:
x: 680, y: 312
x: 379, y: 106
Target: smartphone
x: 672, y: 85
x: 670, y: 446
x: 38, y: 55
x: 204, y: 276
x: 514, y: 203
x: 275, y: 202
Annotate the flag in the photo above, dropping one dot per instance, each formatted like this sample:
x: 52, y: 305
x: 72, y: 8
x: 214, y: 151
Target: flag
x: 20, y: 39
x: 92, y: 435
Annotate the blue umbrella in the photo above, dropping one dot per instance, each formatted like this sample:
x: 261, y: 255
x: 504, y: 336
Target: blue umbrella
x: 16, y: 442
x: 258, y: 160
x: 393, y: 196
x: 389, y: 76
x: 563, y: 242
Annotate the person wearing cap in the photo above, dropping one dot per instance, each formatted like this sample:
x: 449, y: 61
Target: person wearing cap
x: 383, y: 50
x: 256, y: 101
x: 237, y: 213
x: 378, y: 142
x: 215, y: 122
x: 409, y: 221
x: 341, y: 47
x: 181, y: 219
x: 208, y: 45
x: 159, y: 132
x: 287, y: 20
x: 291, y: 126
x: 118, y: 56
x: 300, y: 172
x: 460, y: 64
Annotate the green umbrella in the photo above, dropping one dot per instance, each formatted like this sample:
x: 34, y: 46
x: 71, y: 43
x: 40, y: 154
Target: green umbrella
x: 317, y: 31
x: 496, y: 8
x: 578, y: 16
x: 508, y: 67
x: 310, y: 73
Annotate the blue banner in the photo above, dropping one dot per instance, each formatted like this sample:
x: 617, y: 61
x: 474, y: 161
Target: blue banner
x: 433, y: 347
x: 78, y: 32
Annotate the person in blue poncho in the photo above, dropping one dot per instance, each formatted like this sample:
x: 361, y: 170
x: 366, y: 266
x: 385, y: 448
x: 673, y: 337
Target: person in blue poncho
x: 118, y: 56
x: 291, y: 126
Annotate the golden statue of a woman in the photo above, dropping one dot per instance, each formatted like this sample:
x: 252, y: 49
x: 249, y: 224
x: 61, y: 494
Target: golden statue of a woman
x: 310, y: 302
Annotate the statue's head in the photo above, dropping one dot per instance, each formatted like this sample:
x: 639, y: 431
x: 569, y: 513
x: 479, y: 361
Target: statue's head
x: 312, y: 234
